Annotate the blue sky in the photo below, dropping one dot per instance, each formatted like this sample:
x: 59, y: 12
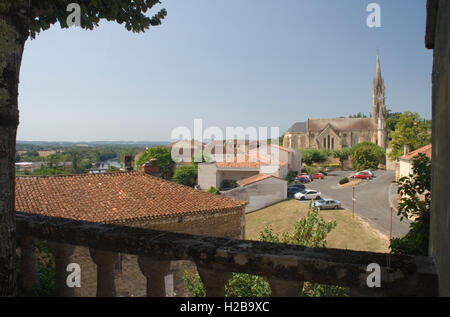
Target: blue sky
x: 231, y: 63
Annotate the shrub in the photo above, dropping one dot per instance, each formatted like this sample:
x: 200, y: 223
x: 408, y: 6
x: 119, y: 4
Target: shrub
x: 213, y: 190
x: 310, y: 156
x: 344, y: 181
x: 186, y: 175
x: 367, y: 155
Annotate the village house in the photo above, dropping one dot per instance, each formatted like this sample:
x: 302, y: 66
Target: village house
x: 135, y: 199
x: 404, y: 166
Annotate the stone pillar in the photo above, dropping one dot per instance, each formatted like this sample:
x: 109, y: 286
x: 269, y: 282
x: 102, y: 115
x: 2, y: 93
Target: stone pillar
x: 283, y: 288
x: 105, y: 261
x: 214, y: 281
x: 438, y: 33
x: 154, y: 271
x: 29, y: 281
x: 62, y: 253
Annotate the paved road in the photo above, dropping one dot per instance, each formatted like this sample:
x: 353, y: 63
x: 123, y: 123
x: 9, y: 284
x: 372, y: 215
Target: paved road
x: 372, y: 199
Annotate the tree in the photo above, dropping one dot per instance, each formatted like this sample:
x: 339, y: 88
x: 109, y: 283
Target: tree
x: 20, y: 19
x: 164, y: 157
x: 342, y: 155
x: 311, y: 231
x: 310, y: 156
x: 415, y: 201
x: 358, y: 115
x: 391, y: 120
x: 186, y: 175
x: 367, y: 155
x: 410, y: 130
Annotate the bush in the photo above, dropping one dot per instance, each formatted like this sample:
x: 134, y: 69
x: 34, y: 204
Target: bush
x: 344, y: 181
x: 367, y: 155
x: 213, y: 190
x: 310, y: 156
x: 310, y: 231
x: 186, y: 175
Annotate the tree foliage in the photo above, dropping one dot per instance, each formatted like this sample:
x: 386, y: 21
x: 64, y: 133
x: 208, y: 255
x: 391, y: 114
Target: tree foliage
x: 41, y: 14
x: 342, y: 155
x: 310, y: 156
x: 415, y: 202
x: 186, y: 175
x: 367, y: 155
x: 213, y: 190
x: 310, y: 231
x: 164, y: 157
x: 410, y: 130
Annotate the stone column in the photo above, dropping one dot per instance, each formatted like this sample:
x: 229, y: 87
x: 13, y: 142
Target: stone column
x: 62, y: 253
x: 154, y: 271
x: 105, y: 261
x: 283, y: 288
x: 214, y: 281
x: 29, y: 281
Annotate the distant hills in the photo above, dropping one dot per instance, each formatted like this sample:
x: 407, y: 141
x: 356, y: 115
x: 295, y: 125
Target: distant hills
x: 94, y: 143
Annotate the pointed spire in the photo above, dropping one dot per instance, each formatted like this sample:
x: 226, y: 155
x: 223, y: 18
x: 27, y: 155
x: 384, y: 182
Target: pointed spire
x: 378, y: 67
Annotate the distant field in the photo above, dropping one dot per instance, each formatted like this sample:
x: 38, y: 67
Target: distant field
x: 350, y: 233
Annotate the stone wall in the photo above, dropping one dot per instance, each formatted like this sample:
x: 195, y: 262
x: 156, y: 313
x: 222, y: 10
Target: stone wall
x: 130, y: 281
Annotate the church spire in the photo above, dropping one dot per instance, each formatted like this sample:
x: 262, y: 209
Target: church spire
x: 378, y: 67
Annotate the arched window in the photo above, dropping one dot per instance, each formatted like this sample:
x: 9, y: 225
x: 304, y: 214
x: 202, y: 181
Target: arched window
x: 332, y: 143
x: 328, y: 142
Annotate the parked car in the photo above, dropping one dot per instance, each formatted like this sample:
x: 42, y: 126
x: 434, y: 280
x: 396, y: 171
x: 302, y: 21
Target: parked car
x: 294, y: 189
x: 370, y: 172
x: 308, y: 194
x: 302, y: 179
x: 318, y: 176
x: 328, y: 204
x: 362, y: 175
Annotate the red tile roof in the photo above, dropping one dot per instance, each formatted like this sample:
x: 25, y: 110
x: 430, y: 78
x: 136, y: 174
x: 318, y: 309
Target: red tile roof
x: 114, y: 197
x: 427, y: 149
x: 254, y: 179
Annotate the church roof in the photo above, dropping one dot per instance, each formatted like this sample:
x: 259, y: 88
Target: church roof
x: 298, y: 127
x: 342, y: 124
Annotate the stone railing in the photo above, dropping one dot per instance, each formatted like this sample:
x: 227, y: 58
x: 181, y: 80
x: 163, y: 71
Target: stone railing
x: 285, y: 266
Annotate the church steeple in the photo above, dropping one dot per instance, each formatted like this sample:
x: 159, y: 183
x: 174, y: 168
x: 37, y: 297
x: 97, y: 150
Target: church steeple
x: 379, y: 106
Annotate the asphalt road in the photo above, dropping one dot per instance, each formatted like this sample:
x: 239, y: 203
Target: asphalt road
x: 372, y: 199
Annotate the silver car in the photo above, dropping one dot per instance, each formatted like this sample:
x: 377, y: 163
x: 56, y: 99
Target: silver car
x: 328, y: 204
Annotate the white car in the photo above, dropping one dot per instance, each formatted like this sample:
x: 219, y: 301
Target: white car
x: 308, y: 194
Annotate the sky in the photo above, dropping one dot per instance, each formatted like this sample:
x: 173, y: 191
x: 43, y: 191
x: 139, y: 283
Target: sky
x: 247, y: 63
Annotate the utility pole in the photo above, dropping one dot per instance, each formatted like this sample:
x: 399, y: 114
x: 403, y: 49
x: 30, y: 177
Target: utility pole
x: 353, y: 199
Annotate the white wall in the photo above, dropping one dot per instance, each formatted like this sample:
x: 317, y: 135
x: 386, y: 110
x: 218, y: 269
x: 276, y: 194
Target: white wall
x: 260, y: 194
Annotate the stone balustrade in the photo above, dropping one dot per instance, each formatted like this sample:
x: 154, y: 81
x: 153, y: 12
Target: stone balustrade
x: 285, y: 266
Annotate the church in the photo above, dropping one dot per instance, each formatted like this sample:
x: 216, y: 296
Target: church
x: 339, y: 133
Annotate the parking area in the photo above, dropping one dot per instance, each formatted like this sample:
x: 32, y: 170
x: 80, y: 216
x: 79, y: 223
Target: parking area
x: 372, y: 199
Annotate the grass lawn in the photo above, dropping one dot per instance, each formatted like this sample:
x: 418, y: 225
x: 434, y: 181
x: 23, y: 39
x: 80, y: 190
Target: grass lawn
x: 350, y: 233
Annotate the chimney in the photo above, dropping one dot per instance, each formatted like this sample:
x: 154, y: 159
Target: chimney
x: 127, y: 163
x: 406, y: 150
x: 151, y: 167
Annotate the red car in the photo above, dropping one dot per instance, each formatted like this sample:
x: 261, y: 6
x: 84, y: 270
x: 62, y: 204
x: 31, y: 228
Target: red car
x: 318, y: 176
x: 362, y: 175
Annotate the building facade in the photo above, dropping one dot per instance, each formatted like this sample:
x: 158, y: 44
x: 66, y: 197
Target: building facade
x: 339, y: 133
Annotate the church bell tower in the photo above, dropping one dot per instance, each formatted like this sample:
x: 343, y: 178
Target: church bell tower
x: 379, y: 107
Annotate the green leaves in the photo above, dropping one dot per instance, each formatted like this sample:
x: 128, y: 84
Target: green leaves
x: 367, y: 155
x: 44, y: 13
x: 415, y: 202
x: 410, y: 129
x: 186, y: 175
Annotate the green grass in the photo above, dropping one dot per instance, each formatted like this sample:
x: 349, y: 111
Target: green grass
x: 350, y: 233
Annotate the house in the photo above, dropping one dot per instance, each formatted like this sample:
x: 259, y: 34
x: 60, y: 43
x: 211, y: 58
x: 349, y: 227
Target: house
x: 405, y: 162
x: 134, y: 199
x: 258, y: 158
x: 183, y: 150
x: 259, y: 191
